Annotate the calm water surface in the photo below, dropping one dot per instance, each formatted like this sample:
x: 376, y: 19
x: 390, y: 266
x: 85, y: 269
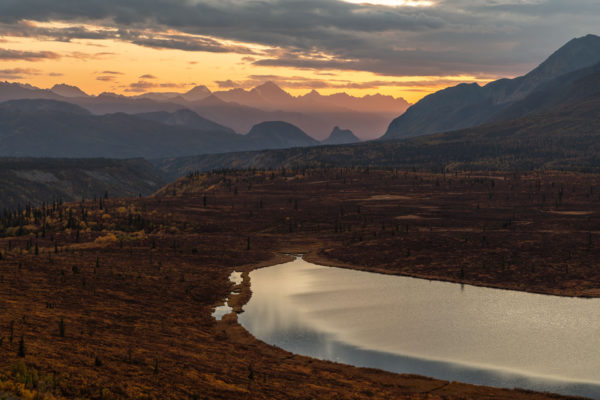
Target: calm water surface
x: 444, y: 330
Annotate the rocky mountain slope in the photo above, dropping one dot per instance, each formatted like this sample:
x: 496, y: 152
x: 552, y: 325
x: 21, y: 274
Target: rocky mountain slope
x: 469, y: 105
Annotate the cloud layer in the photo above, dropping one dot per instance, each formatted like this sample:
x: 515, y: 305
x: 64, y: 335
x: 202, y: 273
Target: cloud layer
x: 450, y: 37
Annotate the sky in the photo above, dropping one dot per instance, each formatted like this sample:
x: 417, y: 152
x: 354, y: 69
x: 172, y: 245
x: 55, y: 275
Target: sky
x: 404, y: 48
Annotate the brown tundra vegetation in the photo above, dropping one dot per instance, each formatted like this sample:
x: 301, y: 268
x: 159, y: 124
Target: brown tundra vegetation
x: 112, y: 298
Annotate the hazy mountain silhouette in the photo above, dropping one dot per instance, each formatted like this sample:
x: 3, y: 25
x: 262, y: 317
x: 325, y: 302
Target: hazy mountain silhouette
x: 47, y: 128
x: 16, y: 91
x: 564, y: 138
x: 65, y: 90
x: 314, y: 113
x: 186, y: 118
x: 279, y: 135
x: 197, y: 93
x: 107, y: 103
x: 316, y: 123
x: 341, y: 136
x: 469, y: 105
x: 342, y: 101
x: 239, y: 109
x: 50, y: 128
x: 269, y: 96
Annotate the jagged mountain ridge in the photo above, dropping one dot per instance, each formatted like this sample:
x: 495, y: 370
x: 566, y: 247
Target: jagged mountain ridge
x: 565, y: 138
x: 468, y: 105
x: 65, y: 90
x: 341, y: 136
x: 185, y: 118
x: 316, y: 114
x: 50, y: 128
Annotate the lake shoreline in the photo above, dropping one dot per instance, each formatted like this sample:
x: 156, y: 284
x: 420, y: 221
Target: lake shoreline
x: 318, y: 258
x: 234, y: 330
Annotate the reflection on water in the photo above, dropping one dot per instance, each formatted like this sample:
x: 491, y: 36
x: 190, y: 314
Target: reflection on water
x: 445, y: 330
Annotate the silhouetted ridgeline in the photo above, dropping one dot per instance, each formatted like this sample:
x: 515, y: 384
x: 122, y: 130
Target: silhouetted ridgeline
x: 36, y: 180
x: 49, y: 128
x: 468, y: 105
x: 566, y: 138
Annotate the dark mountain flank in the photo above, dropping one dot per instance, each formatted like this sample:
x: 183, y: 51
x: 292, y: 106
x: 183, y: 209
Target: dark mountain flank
x: 65, y: 90
x: 238, y: 109
x: 341, y: 136
x: 185, y: 118
x: 278, y: 135
x: 565, y: 138
x: 49, y: 128
x: 469, y: 105
x: 35, y: 181
x: 46, y: 128
x: 567, y: 89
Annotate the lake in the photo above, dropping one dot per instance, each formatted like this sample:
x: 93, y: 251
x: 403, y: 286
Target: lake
x: 443, y: 330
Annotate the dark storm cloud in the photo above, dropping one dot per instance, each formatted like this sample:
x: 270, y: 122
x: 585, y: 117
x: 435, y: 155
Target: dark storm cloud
x: 63, y: 34
x: 190, y: 44
x: 451, y: 37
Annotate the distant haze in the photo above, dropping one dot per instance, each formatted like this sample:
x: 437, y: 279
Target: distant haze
x: 239, y: 109
x: 406, y: 49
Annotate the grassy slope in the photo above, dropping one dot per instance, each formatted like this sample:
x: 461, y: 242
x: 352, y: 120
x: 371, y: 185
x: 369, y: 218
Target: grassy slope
x: 565, y: 138
x: 33, y: 181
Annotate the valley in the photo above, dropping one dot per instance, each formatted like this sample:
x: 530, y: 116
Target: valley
x: 446, y: 249
x: 111, y: 270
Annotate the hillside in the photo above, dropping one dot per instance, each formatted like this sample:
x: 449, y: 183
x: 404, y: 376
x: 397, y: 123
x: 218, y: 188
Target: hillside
x: 47, y: 128
x: 316, y: 121
x: 341, y: 136
x: 34, y: 181
x: 567, y: 89
x: 469, y: 105
x: 185, y: 118
x: 278, y: 134
x: 238, y: 109
x: 565, y: 138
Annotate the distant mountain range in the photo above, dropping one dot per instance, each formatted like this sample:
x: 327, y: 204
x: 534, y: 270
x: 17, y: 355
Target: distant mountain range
x: 269, y: 96
x: 485, y: 126
x: 566, y: 138
x: 556, y: 125
x: 469, y: 105
x: 50, y: 128
x: 238, y: 109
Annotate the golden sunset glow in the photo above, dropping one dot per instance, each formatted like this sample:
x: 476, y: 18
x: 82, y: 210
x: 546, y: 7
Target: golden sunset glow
x: 118, y: 66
